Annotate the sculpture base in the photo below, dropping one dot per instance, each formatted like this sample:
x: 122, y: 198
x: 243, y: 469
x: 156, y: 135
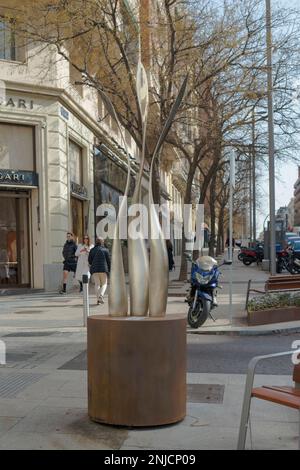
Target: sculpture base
x: 137, y: 370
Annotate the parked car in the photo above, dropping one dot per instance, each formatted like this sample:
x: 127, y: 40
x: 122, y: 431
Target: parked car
x: 296, y: 247
x: 294, y: 242
x: 290, y: 235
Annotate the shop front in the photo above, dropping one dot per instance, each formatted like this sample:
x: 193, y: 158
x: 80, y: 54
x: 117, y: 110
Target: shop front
x: 18, y: 182
x: 110, y: 176
x: 14, y: 238
x: 79, y: 200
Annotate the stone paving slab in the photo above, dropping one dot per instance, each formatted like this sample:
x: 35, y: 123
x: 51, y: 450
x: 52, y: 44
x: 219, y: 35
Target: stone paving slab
x: 52, y: 414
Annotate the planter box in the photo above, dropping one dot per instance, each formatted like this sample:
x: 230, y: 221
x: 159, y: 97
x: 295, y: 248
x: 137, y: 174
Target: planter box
x: 274, y: 315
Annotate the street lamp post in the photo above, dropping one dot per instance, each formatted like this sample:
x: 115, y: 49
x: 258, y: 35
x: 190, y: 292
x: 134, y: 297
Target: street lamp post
x: 253, y: 177
x: 250, y: 197
x: 271, y: 140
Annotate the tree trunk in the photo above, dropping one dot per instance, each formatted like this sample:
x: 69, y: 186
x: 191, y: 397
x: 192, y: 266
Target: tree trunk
x: 220, y: 235
x: 212, y: 204
x: 156, y: 182
x: 187, y: 200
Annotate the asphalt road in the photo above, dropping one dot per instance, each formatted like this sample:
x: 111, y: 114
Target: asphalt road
x: 205, y: 353
x: 231, y: 354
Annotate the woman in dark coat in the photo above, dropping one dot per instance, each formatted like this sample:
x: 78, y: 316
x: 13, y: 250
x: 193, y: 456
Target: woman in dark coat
x: 70, y: 260
x: 170, y: 255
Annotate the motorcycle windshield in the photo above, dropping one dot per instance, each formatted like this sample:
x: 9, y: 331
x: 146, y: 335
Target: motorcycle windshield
x: 206, y: 263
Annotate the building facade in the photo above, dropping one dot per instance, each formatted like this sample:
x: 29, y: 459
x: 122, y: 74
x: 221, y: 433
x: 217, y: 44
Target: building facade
x: 61, y: 156
x: 48, y: 129
x: 297, y: 200
x: 291, y: 214
x: 282, y: 217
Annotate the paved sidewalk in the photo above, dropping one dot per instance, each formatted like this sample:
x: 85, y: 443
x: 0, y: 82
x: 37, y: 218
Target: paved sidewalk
x: 43, y: 389
x: 43, y: 404
x: 229, y: 321
x: 51, y: 311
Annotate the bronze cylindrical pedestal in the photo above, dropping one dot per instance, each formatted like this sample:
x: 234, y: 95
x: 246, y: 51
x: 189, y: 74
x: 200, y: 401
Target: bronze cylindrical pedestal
x: 137, y: 370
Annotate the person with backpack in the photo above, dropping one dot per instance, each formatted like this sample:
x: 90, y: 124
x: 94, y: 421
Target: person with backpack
x: 99, y: 261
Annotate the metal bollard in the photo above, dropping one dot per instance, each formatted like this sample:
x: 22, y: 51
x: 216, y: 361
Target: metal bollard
x: 86, y: 304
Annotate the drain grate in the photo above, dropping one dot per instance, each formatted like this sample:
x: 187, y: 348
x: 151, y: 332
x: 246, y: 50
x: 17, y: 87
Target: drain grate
x: 29, y: 334
x: 11, y: 385
x: 205, y: 393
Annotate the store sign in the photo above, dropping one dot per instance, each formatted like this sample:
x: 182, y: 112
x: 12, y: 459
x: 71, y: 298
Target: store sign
x: 78, y: 190
x: 19, y: 178
x: 17, y: 103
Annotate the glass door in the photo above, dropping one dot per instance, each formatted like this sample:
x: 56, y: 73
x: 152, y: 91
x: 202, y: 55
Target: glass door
x: 14, y: 240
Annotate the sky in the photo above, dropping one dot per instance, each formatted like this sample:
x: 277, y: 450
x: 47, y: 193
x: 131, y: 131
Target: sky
x: 286, y: 174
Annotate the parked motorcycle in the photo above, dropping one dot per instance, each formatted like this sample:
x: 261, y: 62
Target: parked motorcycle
x: 203, y: 294
x: 251, y: 255
x: 241, y: 252
x: 283, y: 261
x: 287, y: 259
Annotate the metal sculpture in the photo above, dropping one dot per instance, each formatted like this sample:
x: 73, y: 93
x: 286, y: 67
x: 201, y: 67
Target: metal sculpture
x: 144, y: 295
x: 138, y: 262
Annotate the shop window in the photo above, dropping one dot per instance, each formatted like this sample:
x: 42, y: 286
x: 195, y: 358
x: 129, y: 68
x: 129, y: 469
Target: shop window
x: 12, y: 47
x: 17, y: 147
x: 75, y: 161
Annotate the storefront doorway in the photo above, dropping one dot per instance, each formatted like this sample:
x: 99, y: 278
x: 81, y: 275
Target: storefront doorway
x: 14, y: 239
x: 77, y: 219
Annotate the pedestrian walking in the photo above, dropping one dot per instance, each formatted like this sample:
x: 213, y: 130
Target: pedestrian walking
x: 170, y: 255
x: 233, y: 242
x: 70, y: 260
x: 82, y: 254
x: 99, y: 261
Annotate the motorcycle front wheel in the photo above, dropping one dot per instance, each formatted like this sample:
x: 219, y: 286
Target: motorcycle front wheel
x: 198, y: 315
x: 278, y: 267
x: 247, y: 261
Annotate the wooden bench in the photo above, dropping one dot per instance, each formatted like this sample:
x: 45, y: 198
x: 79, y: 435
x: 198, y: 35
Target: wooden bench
x: 286, y: 396
x: 279, y: 283
x: 275, y: 284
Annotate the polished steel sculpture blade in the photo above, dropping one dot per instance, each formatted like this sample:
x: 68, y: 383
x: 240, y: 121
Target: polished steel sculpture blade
x: 117, y: 297
x: 171, y: 116
x: 138, y: 259
x: 142, y: 91
x: 159, y: 266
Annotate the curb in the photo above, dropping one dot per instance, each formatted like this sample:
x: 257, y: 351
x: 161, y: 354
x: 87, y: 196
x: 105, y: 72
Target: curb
x: 246, y: 332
